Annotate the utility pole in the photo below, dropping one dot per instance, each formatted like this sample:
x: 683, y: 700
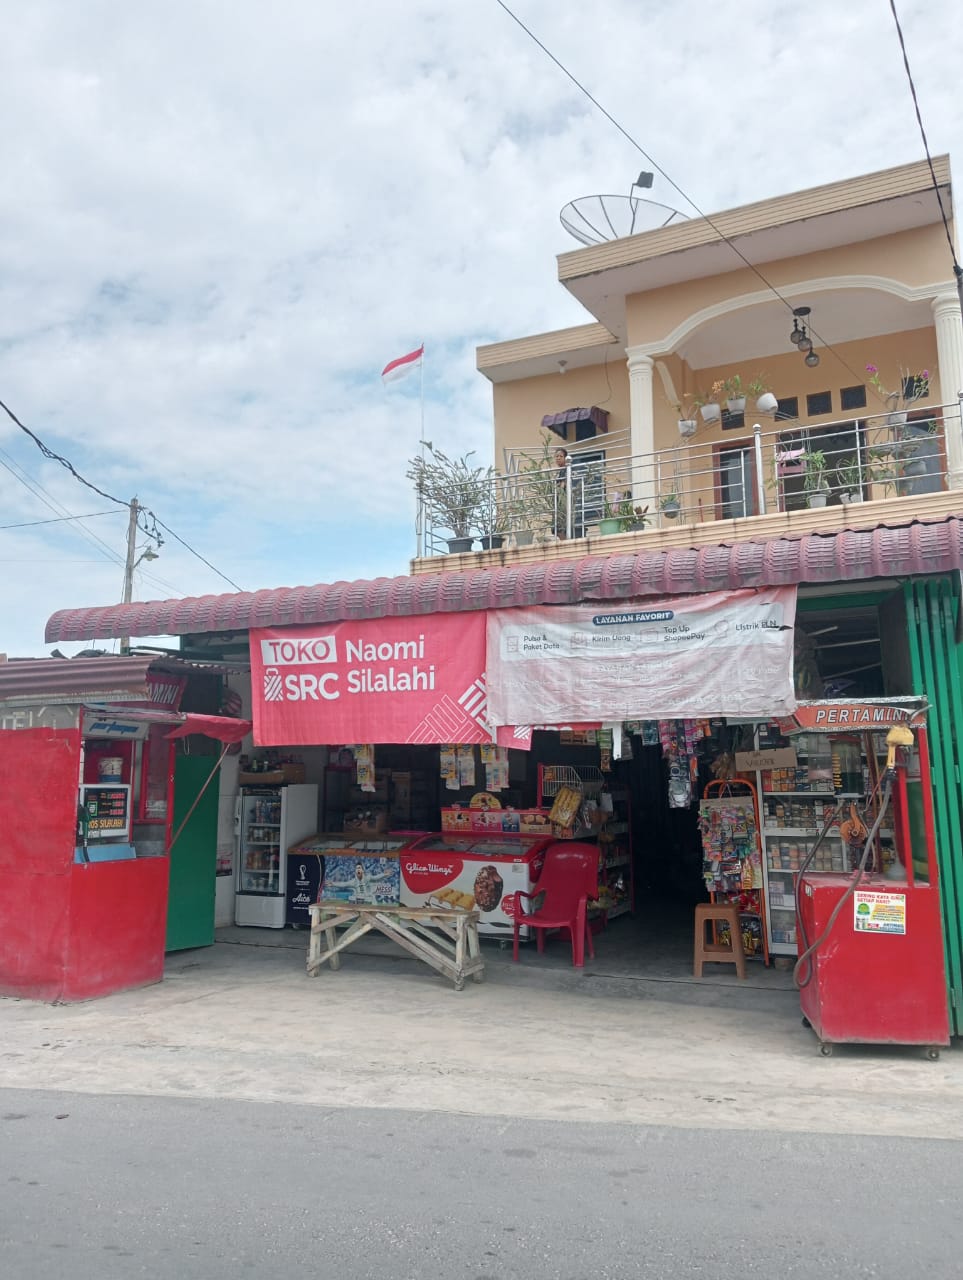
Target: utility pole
x: 129, y: 564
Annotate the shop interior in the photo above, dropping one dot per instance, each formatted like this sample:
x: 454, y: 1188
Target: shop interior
x: 642, y: 799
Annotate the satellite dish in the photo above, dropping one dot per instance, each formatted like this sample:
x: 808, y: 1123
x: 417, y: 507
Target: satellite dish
x: 596, y: 219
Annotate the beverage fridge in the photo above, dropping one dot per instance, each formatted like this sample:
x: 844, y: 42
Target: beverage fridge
x: 267, y: 822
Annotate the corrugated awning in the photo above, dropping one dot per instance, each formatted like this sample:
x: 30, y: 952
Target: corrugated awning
x: 599, y: 418
x: 82, y: 679
x: 850, y: 555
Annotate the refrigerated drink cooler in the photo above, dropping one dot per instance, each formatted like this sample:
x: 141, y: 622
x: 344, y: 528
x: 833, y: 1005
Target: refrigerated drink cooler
x: 268, y: 821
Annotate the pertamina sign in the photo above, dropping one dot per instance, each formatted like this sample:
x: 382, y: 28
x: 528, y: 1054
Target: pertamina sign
x: 412, y: 680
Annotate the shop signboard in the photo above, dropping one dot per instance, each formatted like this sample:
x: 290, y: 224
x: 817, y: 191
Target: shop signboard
x: 413, y: 680
x: 723, y: 653
x: 857, y: 714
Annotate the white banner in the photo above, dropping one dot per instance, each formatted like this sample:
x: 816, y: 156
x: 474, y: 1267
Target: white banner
x: 726, y: 653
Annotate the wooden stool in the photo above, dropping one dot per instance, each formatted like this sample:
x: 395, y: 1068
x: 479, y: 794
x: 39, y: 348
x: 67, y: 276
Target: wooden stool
x: 714, y: 952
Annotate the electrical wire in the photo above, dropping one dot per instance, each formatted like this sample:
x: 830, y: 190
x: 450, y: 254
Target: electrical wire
x: 31, y: 524
x: 958, y: 270
x: 150, y: 531
x: 675, y: 186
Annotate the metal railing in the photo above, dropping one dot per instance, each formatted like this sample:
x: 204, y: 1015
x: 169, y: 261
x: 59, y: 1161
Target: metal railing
x: 749, y: 473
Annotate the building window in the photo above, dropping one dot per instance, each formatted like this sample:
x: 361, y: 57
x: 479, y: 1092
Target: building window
x: 818, y: 403
x: 730, y: 421
x: 787, y: 410
x: 852, y: 398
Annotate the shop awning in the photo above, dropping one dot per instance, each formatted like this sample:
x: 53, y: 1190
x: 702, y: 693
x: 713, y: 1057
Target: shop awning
x: 223, y: 728
x: 598, y: 418
x: 75, y: 679
x: 851, y: 555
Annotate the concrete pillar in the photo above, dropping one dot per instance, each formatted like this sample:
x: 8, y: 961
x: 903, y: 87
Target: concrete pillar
x: 642, y: 428
x: 949, y: 354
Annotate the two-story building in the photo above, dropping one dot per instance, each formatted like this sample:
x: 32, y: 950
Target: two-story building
x: 765, y: 399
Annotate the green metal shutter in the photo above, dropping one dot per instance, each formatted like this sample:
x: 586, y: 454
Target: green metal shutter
x: 932, y: 610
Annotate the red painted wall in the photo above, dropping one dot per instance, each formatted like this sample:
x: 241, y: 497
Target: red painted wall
x: 39, y: 769
x: 118, y: 921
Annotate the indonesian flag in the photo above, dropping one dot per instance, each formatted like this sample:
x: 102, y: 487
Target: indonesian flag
x: 401, y: 367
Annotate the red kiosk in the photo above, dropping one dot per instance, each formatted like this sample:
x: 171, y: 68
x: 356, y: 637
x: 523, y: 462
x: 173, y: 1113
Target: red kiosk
x: 871, y: 967
x: 83, y: 906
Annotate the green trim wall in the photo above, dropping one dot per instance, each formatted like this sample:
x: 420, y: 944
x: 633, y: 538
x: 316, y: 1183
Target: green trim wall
x: 933, y: 612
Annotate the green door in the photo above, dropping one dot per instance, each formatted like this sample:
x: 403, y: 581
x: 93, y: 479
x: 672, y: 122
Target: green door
x: 937, y: 657
x: 193, y: 859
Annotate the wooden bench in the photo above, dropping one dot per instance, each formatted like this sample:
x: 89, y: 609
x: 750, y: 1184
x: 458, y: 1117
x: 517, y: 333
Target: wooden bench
x: 444, y: 939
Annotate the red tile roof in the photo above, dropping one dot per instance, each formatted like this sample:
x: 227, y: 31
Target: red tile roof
x: 851, y: 555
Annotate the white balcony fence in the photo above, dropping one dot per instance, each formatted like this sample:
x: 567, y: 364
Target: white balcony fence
x: 756, y: 472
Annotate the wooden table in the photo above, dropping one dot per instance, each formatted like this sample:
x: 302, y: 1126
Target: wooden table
x: 444, y: 939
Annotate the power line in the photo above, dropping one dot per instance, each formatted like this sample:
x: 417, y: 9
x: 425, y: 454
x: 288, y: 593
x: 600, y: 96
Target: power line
x: 150, y: 532
x: 30, y: 524
x: 37, y: 490
x: 685, y: 196
x: 957, y: 269
x: 179, y: 539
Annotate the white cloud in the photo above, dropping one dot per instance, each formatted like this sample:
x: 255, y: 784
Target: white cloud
x: 223, y: 219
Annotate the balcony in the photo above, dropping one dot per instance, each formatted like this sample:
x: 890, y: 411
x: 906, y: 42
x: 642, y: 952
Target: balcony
x: 791, y: 479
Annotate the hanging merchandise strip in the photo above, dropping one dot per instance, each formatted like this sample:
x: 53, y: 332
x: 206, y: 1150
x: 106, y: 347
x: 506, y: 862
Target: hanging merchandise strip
x: 731, y: 862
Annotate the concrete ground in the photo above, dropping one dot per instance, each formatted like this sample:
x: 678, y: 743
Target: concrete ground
x: 240, y: 1020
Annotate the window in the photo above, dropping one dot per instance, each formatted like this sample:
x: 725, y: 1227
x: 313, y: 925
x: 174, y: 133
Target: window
x: 852, y: 398
x: 787, y: 409
x: 820, y: 402
x: 737, y: 482
x: 732, y: 421
x: 588, y: 488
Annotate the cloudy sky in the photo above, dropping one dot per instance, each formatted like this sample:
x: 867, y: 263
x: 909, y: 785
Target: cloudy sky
x: 221, y: 218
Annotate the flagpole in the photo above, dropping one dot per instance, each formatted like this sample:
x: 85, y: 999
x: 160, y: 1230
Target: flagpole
x: 421, y: 499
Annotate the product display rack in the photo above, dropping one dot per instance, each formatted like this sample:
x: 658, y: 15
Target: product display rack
x: 732, y: 857
x: 795, y: 805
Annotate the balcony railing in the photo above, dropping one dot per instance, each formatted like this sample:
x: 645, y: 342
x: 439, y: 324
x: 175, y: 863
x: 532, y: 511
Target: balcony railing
x: 758, y: 472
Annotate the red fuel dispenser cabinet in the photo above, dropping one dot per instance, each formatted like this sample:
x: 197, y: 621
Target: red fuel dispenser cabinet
x: 871, y: 967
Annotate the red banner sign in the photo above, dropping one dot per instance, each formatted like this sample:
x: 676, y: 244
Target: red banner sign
x: 838, y: 717
x: 417, y: 680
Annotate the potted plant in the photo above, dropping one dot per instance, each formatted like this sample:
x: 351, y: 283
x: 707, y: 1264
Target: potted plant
x: 912, y: 387
x: 735, y: 394
x: 850, y: 479
x: 634, y: 519
x: 710, y: 403
x: 616, y: 508
x: 452, y: 493
x: 814, y: 480
x: 766, y: 402
x: 686, y: 407
x: 670, y: 506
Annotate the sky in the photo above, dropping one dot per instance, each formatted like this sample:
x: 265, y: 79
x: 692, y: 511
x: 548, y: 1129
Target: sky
x: 222, y: 218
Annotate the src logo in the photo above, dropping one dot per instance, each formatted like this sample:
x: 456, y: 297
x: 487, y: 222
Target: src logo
x: 273, y: 689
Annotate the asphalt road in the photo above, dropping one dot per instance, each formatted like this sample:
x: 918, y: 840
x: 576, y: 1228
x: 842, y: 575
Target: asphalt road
x: 108, y: 1188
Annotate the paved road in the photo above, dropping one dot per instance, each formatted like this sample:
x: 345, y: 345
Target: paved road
x: 108, y: 1188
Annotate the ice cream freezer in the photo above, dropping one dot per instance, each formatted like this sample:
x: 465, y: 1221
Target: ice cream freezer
x: 473, y: 872
x: 348, y: 868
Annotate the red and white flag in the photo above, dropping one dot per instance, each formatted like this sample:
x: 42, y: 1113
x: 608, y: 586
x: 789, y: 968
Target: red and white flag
x: 401, y: 367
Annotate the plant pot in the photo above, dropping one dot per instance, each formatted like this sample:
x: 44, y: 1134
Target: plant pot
x: 610, y: 525
x: 896, y: 419
x: 491, y: 541
x: 736, y: 404
x: 671, y: 510
x: 817, y: 498
x: 687, y: 427
x: 457, y: 546
x: 767, y: 403
x: 524, y: 537
x: 711, y: 412
x: 915, y: 467
x: 847, y: 498
x: 633, y: 526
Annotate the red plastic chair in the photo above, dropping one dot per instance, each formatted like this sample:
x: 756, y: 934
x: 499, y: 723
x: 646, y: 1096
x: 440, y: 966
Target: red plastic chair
x: 570, y: 877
